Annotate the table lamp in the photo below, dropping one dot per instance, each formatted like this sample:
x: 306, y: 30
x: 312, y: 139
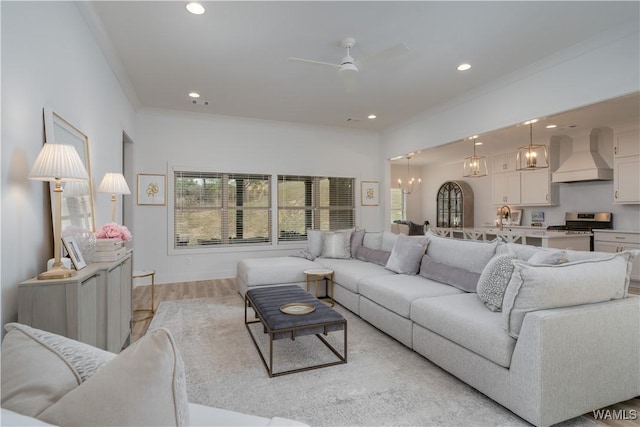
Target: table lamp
x: 113, y: 183
x: 58, y: 163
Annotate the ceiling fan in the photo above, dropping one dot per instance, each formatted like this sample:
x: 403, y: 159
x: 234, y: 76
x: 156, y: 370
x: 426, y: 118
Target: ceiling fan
x: 348, y: 68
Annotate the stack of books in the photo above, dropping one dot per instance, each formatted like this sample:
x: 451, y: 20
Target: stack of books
x: 109, y: 250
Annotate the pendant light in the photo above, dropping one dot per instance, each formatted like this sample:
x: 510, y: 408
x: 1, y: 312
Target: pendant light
x: 410, y: 183
x: 531, y: 157
x: 475, y: 166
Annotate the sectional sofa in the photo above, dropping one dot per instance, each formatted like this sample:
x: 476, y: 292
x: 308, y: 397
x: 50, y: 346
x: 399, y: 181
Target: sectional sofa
x: 548, y: 334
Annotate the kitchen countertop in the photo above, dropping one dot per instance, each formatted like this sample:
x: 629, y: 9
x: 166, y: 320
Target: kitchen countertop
x: 540, y: 234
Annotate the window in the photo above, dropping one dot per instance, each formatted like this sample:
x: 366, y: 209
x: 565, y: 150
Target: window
x: 321, y: 203
x: 397, y: 205
x: 221, y: 209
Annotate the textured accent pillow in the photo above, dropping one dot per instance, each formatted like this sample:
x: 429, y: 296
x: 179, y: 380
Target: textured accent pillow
x: 39, y: 368
x: 406, y: 254
x: 375, y: 256
x: 462, y: 279
x: 356, y: 241
x: 143, y: 385
x: 336, y: 244
x: 539, y: 287
x: 471, y: 255
x: 547, y: 257
x: 494, y: 280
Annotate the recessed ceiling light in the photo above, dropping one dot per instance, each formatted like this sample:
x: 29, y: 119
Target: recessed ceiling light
x: 551, y: 126
x: 195, y: 8
x: 194, y: 95
x: 371, y: 116
x: 464, y: 67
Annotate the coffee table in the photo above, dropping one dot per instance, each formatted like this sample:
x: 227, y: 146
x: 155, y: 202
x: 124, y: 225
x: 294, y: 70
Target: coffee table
x: 266, y: 303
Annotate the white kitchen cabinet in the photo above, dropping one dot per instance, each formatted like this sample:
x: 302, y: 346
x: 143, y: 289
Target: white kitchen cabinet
x: 537, y: 188
x: 505, y: 188
x: 503, y: 163
x: 618, y: 241
x: 626, y: 180
x: 93, y: 307
x: 627, y: 144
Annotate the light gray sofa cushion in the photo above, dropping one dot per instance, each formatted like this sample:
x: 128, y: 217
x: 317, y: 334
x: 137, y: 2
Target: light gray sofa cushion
x: 471, y: 255
x: 537, y: 287
x: 349, y: 272
x: 406, y: 254
x: 494, y: 281
x: 460, y: 278
x: 315, y: 242
x: 464, y: 320
x: 396, y: 292
x: 547, y: 257
x: 372, y: 240
x: 389, y: 240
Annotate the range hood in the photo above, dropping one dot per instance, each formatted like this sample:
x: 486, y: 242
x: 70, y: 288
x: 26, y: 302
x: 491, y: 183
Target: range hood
x: 585, y: 162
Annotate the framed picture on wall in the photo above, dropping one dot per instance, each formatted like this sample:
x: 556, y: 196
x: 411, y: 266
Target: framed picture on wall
x: 369, y: 193
x: 516, y: 216
x: 152, y: 189
x: 72, y: 247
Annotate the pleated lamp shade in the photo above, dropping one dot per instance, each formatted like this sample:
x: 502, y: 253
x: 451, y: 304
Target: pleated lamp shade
x: 58, y: 161
x: 114, y: 183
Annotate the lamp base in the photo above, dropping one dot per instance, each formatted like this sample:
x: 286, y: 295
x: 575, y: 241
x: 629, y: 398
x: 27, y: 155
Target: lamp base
x: 57, y: 273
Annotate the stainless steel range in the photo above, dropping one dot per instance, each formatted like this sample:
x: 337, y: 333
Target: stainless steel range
x: 584, y: 223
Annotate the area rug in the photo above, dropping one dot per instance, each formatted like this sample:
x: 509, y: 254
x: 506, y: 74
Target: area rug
x: 383, y: 384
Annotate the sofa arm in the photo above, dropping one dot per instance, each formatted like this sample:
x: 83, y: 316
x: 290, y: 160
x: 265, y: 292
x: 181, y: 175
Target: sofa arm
x: 569, y: 361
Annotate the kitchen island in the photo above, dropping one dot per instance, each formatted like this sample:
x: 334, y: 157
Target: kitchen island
x: 540, y: 237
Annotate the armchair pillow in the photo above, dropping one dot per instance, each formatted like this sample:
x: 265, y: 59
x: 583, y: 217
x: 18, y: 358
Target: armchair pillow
x: 143, y: 385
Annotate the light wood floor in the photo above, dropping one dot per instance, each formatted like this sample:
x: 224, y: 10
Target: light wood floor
x: 220, y: 288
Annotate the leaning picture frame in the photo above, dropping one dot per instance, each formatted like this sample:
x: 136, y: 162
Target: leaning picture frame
x: 152, y: 189
x: 73, y: 249
x: 369, y: 193
x: 516, y: 216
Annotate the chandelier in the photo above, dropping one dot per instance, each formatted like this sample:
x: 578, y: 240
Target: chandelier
x: 475, y: 166
x: 410, y: 182
x: 532, y: 156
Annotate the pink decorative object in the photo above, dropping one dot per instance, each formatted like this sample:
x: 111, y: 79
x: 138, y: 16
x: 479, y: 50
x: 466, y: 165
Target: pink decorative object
x: 113, y: 230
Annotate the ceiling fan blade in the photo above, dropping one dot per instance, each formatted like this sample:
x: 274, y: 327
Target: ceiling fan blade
x: 308, y: 61
x: 392, y: 52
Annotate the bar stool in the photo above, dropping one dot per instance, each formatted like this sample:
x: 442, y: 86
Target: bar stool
x: 152, y: 310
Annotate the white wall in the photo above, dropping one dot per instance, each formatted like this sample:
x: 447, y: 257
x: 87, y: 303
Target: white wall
x: 226, y: 144
x: 598, y: 69
x: 49, y: 58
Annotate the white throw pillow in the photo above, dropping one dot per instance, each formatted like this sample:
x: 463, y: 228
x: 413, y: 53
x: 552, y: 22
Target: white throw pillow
x: 143, y: 385
x: 337, y: 244
x: 539, y: 287
x: 314, y: 242
x: 406, y: 254
x: 39, y: 368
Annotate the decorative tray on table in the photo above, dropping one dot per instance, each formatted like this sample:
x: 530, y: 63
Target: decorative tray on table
x: 297, y: 308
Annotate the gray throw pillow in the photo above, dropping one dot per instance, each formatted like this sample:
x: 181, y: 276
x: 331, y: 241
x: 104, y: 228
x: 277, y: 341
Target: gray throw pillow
x: 458, y: 277
x: 406, y: 254
x: 375, y: 256
x: 336, y: 244
x: 494, y: 280
x: 356, y: 241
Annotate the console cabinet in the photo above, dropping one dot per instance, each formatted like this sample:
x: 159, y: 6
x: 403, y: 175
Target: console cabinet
x: 93, y: 307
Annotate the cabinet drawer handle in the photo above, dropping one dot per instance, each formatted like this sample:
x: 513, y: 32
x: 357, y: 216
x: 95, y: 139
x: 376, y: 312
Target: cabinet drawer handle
x: 616, y: 194
x: 621, y: 238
